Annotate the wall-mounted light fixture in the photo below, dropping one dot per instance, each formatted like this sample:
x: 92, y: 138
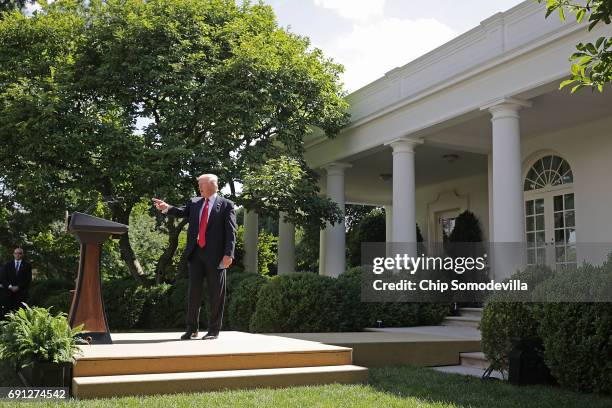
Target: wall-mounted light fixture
x: 451, y: 157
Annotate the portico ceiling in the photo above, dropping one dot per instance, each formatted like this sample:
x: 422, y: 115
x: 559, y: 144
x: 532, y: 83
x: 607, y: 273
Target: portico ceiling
x: 551, y: 111
x: 470, y: 140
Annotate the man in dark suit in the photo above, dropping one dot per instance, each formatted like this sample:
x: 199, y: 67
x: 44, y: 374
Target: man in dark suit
x: 15, y: 281
x: 211, y: 239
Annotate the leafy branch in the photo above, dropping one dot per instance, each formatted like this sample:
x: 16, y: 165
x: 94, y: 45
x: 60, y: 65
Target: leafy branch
x: 592, y: 63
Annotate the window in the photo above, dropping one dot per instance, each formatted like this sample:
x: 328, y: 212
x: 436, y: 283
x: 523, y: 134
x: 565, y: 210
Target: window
x: 550, y: 214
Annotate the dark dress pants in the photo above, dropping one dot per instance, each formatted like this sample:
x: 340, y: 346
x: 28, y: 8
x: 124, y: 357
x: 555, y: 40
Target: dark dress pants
x: 199, y: 267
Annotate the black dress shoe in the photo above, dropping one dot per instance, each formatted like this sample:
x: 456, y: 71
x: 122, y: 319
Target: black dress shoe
x: 189, y: 335
x: 210, y: 336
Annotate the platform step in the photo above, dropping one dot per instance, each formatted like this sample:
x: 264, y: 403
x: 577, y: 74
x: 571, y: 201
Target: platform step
x: 461, y: 321
x: 168, y: 383
x: 159, y: 353
x: 475, y: 359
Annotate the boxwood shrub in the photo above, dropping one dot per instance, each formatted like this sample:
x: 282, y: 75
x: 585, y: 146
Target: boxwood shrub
x: 577, y: 336
x: 297, y: 302
x: 503, y: 319
x: 241, y: 303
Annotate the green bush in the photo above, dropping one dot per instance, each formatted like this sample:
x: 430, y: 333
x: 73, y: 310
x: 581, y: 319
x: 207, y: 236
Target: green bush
x: 242, y: 301
x: 124, y: 301
x: 59, y: 302
x: 297, y: 302
x: 41, y: 289
x: 356, y: 315
x: 158, y: 311
x: 503, y: 320
x: 577, y: 337
x: 432, y: 314
x: 577, y: 340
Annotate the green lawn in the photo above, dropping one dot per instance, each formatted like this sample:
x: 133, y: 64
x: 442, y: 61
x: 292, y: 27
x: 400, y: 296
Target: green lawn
x: 389, y: 387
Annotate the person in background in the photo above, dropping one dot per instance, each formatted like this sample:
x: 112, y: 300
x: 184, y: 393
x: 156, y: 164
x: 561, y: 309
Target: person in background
x: 15, y: 281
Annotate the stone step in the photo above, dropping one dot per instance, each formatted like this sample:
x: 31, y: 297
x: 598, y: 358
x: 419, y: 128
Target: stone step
x: 475, y: 359
x: 467, y: 370
x: 468, y: 321
x: 167, y: 383
x: 470, y: 312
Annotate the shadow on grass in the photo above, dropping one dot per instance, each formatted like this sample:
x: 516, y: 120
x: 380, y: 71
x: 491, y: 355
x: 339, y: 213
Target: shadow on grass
x: 466, y: 391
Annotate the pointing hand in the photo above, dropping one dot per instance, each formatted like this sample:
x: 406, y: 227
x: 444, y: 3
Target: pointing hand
x: 160, y: 204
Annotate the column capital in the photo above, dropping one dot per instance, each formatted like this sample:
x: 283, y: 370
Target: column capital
x: 336, y: 168
x: 505, y: 107
x: 404, y: 144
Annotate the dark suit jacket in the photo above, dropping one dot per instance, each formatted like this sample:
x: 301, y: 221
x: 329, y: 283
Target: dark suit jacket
x: 23, y: 279
x: 220, y: 228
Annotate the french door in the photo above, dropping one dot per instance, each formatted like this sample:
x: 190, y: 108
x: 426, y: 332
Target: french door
x: 550, y: 227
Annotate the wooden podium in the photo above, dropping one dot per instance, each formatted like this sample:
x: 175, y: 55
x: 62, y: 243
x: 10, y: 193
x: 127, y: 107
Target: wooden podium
x: 87, y: 304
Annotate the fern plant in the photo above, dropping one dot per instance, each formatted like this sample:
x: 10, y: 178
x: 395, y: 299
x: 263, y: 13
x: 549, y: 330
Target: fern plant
x: 33, y: 334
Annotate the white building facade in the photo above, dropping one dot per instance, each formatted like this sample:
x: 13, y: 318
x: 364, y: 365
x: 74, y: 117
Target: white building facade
x: 478, y: 124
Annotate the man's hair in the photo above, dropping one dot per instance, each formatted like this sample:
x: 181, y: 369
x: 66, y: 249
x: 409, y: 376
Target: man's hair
x: 20, y: 249
x: 211, y: 177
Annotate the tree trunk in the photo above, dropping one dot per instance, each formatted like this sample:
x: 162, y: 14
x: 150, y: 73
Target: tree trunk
x: 125, y: 247
x: 165, y: 259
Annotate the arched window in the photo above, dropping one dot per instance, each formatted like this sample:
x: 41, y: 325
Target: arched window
x: 550, y: 213
x: 548, y: 171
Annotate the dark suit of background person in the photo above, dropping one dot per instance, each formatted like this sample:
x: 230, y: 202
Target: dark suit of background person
x: 16, y: 273
x: 220, y: 241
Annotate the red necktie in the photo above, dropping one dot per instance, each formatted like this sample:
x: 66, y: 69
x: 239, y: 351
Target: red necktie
x: 203, y: 223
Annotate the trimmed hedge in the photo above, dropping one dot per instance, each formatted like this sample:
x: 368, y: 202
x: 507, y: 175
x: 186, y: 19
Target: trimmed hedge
x: 306, y: 302
x: 355, y: 314
x: 297, y: 302
x: 243, y: 301
x: 577, y: 341
x: 124, y: 301
x: 502, y: 320
x: 42, y: 289
x: 576, y: 336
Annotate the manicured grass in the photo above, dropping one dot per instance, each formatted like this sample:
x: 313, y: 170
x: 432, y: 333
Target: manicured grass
x: 389, y: 387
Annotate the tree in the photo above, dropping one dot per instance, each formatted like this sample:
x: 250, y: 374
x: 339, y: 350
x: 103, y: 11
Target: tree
x: 592, y: 62
x: 286, y: 184
x: 10, y: 5
x: 219, y: 88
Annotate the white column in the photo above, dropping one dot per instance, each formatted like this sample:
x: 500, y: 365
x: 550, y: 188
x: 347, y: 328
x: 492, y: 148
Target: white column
x: 490, y: 193
x: 322, y: 252
x: 404, y: 206
x: 251, y: 233
x: 507, y: 203
x: 286, y: 246
x: 507, y: 184
x: 388, y: 223
x: 335, y: 239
